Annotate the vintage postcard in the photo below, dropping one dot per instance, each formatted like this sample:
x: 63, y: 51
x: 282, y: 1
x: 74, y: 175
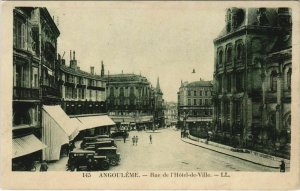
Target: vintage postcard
x: 150, y: 95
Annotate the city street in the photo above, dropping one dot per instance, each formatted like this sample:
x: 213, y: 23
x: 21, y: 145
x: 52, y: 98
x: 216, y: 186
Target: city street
x: 168, y: 152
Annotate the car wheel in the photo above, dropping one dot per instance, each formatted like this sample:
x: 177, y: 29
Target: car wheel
x: 105, y: 165
x: 113, y: 162
x: 72, y: 168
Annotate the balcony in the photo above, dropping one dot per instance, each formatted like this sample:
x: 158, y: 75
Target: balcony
x: 48, y: 91
x: 21, y: 93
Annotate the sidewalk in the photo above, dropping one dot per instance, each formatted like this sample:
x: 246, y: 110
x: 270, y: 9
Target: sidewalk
x: 253, y: 156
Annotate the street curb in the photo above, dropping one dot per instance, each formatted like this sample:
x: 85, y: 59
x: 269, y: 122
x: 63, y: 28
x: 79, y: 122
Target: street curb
x: 277, y: 167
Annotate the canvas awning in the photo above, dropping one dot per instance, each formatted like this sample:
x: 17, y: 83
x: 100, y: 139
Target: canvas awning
x: 90, y: 122
x: 58, y: 129
x: 26, y: 145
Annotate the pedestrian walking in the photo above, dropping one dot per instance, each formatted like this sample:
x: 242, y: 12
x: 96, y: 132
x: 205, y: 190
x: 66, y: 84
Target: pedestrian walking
x: 133, y: 140
x: 136, y: 140
x: 282, y: 166
x: 124, y: 137
x: 150, y: 137
x: 44, y: 166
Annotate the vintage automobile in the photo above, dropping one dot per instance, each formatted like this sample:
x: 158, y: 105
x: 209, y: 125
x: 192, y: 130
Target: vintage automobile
x: 119, y: 134
x: 111, y: 153
x: 94, y: 139
x: 95, y: 145
x: 83, y: 159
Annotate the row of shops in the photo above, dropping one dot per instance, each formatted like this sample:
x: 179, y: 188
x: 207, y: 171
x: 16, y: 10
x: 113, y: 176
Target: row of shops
x: 130, y: 123
x: 58, y: 129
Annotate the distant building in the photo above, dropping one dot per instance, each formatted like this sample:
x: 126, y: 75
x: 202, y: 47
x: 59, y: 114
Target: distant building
x: 195, y: 107
x: 171, y: 113
x: 130, y: 100
x: 81, y: 92
x: 159, y: 106
x: 253, y: 79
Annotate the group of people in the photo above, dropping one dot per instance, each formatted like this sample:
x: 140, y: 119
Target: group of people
x: 135, y: 140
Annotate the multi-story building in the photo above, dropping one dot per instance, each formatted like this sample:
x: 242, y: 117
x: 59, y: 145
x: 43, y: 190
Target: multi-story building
x: 171, y: 113
x: 130, y: 100
x: 195, y: 107
x: 34, y: 59
x: 253, y: 78
x: 81, y: 92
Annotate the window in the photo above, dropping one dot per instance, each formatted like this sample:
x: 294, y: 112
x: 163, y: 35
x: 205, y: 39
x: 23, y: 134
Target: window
x: 195, y: 102
x: 20, y: 34
x: 111, y: 91
x: 239, y: 50
x: 220, y: 84
x: 195, y: 93
x: 34, y: 77
x: 189, y: 93
x: 206, y: 93
x: 239, y: 82
x: 229, y: 54
x: 200, y: 93
x: 220, y: 57
x: 229, y: 83
x: 121, y: 91
x: 206, y: 101
x: 200, y: 102
x: 274, y: 81
x: 131, y: 91
x: 189, y: 102
x: 289, y: 78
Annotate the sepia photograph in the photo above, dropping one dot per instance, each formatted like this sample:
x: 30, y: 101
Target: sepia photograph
x: 151, y: 90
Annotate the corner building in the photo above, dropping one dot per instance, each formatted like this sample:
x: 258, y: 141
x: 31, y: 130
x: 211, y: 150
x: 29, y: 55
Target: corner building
x: 252, y: 74
x: 195, y: 107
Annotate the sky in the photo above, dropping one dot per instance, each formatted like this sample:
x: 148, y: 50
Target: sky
x: 157, y: 39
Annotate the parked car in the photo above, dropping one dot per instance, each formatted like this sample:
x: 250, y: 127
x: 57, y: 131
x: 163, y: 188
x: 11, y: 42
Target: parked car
x: 83, y: 159
x: 94, y: 145
x: 111, y: 153
x: 119, y: 134
x: 93, y: 139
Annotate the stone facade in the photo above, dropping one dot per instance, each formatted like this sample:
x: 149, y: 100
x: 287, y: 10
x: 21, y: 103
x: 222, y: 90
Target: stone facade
x: 195, y: 107
x: 81, y: 92
x: 34, y: 75
x: 34, y: 67
x: 252, y: 75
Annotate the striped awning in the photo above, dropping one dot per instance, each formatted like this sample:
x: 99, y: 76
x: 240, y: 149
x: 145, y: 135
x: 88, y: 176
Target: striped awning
x: 26, y: 145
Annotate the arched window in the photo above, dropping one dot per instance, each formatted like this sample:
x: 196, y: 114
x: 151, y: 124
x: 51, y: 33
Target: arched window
x: 229, y: 54
x: 289, y: 78
x: 220, y: 57
x: 239, y: 51
x: 274, y: 81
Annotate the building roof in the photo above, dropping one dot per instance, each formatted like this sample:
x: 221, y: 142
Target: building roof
x: 200, y: 83
x: 249, y: 16
x: 78, y: 72
x: 126, y: 78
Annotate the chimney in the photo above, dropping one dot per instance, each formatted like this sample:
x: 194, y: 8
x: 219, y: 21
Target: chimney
x: 74, y: 55
x: 70, y: 55
x: 92, y: 70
